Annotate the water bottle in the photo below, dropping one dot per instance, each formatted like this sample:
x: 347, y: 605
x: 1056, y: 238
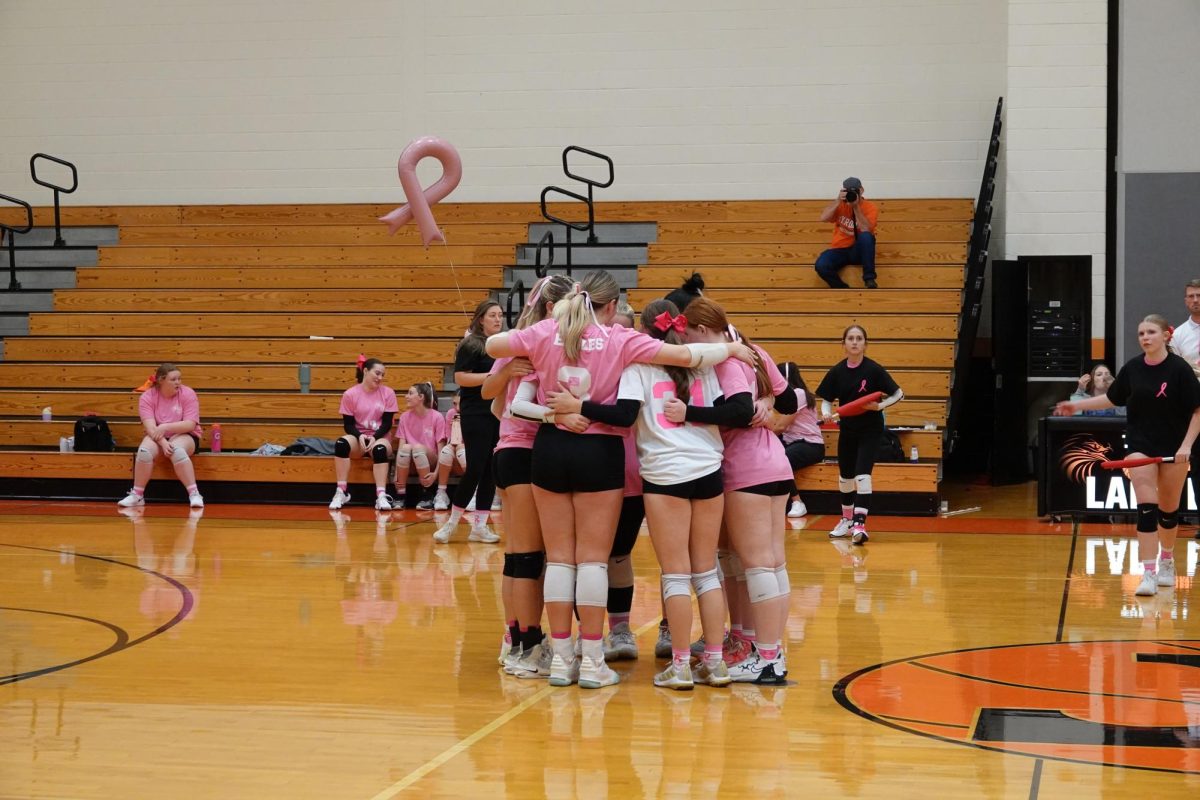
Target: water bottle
x: 46, y: 415
x: 305, y: 376
x: 913, y: 455
x: 216, y: 438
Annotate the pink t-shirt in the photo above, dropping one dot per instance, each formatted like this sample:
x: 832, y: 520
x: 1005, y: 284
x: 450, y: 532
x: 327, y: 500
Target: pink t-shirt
x: 368, y: 408
x: 184, y: 405
x: 427, y: 430
x: 514, y: 431
x: 605, y: 352
x: 753, y: 456
x: 806, y: 426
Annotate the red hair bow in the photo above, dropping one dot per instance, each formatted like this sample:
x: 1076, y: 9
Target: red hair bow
x: 362, y: 359
x: 665, y: 322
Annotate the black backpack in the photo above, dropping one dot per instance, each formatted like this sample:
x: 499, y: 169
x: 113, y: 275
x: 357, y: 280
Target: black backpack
x: 93, y: 436
x: 890, y: 449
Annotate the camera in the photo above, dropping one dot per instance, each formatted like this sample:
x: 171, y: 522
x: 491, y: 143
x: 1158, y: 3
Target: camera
x: 851, y: 195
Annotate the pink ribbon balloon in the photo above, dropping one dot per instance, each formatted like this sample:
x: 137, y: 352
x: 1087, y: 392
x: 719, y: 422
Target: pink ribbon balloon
x: 419, y: 201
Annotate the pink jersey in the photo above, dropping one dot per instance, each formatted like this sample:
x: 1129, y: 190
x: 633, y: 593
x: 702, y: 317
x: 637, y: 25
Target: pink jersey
x: 604, y: 353
x: 514, y: 431
x: 806, y: 426
x: 368, y: 408
x: 427, y: 430
x: 753, y: 456
x: 183, y: 406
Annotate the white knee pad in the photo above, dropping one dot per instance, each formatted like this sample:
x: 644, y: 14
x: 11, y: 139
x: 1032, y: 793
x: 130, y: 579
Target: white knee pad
x: 676, y: 585
x: 762, y: 584
x: 420, y: 458
x: 591, y: 584
x: 145, y: 456
x: 446, y: 456
x: 706, y: 581
x: 559, y: 584
x: 736, y: 569
x: 620, y: 572
x: 846, y: 485
x: 179, y: 455
x: 460, y: 453
x: 781, y: 578
x: 863, y: 482
x: 403, y: 458
x: 724, y: 567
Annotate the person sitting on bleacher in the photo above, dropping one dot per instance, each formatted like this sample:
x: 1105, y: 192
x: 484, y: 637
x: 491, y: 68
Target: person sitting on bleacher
x: 367, y: 410
x: 170, y: 413
x: 854, y: 219
x: 1094, y: 384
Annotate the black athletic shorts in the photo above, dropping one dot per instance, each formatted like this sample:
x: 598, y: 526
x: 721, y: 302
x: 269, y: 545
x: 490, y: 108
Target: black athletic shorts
x: 565, y: 462
x: 771, y: 489
x: 705, y: 487
x: 510, y: 466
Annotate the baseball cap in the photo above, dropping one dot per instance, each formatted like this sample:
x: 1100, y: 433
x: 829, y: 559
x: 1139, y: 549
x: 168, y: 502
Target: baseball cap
x: 852, y: 183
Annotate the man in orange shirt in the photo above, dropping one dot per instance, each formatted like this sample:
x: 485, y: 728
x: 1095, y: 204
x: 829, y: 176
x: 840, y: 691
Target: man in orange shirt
x: 854, y: 219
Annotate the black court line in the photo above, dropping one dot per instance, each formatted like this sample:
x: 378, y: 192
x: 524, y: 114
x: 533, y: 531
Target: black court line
x: 123, y: 641
x: 1035, y: 784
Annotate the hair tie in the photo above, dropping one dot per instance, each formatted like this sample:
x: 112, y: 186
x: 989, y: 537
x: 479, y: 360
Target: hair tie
x: 362, y: 359
x: 733, y: 333
x: 665, y: 322
x: 536, y: 291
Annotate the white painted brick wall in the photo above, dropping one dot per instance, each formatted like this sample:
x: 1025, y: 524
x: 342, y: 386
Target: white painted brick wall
x: 1056, y: 119
x: 178, y: 101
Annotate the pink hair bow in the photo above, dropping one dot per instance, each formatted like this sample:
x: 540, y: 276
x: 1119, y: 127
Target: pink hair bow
x: 665, y: 322
x: 362, y: 359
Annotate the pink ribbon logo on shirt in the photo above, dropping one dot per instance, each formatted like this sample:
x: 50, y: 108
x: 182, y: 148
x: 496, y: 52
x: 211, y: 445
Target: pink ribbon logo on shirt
x: 1162, y: 390
x: 862, y: 387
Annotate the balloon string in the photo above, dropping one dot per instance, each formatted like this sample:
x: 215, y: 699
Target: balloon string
x: 462, y: 301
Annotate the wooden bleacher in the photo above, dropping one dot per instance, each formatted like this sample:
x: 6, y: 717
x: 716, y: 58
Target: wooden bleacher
x: 233, y: 293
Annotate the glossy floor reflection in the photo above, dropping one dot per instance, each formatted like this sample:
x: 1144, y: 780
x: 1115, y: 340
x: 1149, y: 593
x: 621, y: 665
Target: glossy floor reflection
x: 279, y: 652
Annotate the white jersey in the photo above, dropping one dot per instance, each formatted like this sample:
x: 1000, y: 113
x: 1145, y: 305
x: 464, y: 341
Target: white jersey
x: 672, y: 453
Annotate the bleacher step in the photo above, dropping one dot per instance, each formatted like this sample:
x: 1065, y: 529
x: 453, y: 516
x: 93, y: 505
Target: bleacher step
x: 606, y: 232
x: 74, y: 236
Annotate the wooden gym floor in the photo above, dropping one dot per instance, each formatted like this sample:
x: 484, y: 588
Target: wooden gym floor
x: 265, y: 652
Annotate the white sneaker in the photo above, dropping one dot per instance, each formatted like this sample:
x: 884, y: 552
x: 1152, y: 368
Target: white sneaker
x: 674, y: 677
x: 482, y: 533
x: 383, y: 503
x: 858, y: 534
x: 842, y: 529
x: 505, y: 648
x: 471, y: 505
x: 441, y: 502
x: 662, y: 647
x: 595, y: 674
x: 1166, y: 573
x: 535, y: 663
x: 797, y: 509
x: 563, y: 672
x: 716, y: 675
x: 496, y: 503
x: 340, y: 499
x: 757, y: 669
x: 443, y: 534
x: 195, y: 500
x: 620, y: 644
x: 1148, y: 586
x: 132, y: 499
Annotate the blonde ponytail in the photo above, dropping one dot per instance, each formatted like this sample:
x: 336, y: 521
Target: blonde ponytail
x: 577, y: 309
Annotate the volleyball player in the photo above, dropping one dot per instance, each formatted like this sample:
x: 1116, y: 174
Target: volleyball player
x: 578, y: 478
x: 367, y: 410
x: 858, y: 436
x: 420, y: 432
x: 758, y: 480
x: 802, y: 439
x: 1162, y: 398
x: 170, y: 415
x: 524, y: 557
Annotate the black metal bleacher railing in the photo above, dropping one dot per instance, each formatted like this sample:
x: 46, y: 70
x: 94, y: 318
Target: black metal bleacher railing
x: 972, y: 299
x: 9, y: 234
x: 546, y: 243
x: 33, y: 162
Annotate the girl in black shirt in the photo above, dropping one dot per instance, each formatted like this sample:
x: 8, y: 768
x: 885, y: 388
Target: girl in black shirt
x: 858, y: 437
x: 1162, y: 396
x: 480, y: 429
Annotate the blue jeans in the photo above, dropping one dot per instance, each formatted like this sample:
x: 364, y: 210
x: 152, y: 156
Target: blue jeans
x: 830, y: 262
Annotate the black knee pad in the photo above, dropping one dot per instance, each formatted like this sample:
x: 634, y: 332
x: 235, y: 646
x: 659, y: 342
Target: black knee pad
x: 379, y: 454
x: 508, y: 570
x: 341, y: 448
x: 1148, y: 515
x: 529, y: 566
x: 1168, y: 519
